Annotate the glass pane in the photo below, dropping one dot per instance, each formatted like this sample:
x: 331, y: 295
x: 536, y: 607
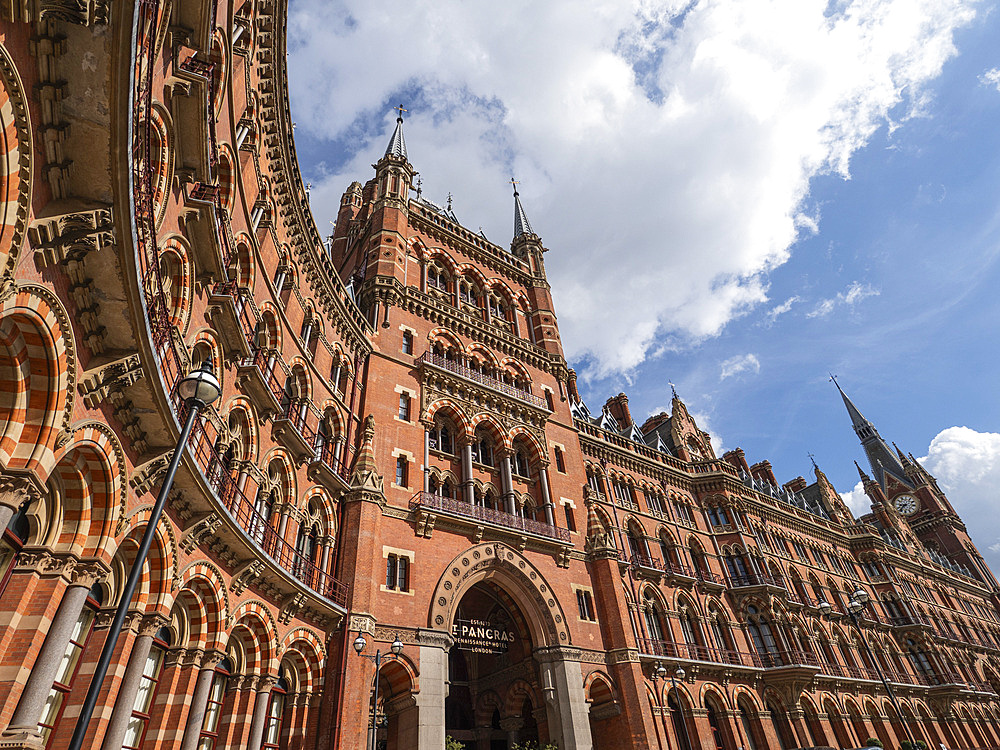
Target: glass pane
x: 133, y: 733
x: 144, y: 695
x: 211, y: 717
x: 51, y: 709
x: 206, y: 743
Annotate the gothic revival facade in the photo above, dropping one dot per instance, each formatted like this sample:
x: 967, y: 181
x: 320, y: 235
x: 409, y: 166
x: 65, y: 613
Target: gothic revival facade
x: 400, y: 456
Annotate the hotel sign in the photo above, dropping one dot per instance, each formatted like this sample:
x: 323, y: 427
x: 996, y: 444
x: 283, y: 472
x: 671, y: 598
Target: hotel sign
x: 481, y: 637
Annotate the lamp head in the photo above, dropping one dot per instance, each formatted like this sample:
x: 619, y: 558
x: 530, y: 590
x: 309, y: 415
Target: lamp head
x: 861, y: 596
x: 397, y: 646
x: 360, y: 643
x: 680, y: 673
x: 825, y: 608
x: 200, y: 385
x: 855, y: 607
x: 660, y: 671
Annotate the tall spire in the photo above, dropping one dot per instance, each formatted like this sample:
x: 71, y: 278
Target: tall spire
x: 881, y: 458
x: 397, y: 146
x: 521, y: 223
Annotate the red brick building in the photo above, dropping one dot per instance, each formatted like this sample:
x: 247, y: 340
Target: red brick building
x: 400, y: 454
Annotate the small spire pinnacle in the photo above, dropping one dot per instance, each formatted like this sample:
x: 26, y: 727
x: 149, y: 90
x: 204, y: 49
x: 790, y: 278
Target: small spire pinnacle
x: 397, y: 146
x: 673, y: 388
x: 521, y: 223
x: 813, y: 459
x: 420, y: 184
x: 450, y: 196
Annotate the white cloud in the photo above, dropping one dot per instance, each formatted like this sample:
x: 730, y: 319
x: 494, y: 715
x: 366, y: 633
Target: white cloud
x: 857, y: 500
x: 665, y: 149
x: 738, y: 365
x: 778, y: 310
x: 854, y: 294
x: 966, y: 464
x: 991, y: 78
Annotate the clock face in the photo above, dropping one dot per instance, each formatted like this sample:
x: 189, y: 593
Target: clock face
x: 906, y: 504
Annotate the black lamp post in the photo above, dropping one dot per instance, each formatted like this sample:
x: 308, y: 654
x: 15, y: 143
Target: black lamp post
x: 197, y: 389
x: 659, y: 672
x: 679, y: 674
x: 854, y: 608
x: 359, y: 646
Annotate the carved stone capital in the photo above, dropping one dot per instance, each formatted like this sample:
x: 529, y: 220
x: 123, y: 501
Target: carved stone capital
x: 266, y: 682
x: 18, y: 488
x: 361, y: 622
x: 150, y: 624
x: 211, y: 659
x: 436, y: 638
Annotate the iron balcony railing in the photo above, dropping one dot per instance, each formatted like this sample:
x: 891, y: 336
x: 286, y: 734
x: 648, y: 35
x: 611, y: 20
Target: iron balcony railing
x: 477, y: 377
x: 488, y: 515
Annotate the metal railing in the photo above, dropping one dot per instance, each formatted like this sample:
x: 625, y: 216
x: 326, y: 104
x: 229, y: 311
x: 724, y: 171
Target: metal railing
x: 259, y: 359
x: 477, y: 377
x: 488, y: 515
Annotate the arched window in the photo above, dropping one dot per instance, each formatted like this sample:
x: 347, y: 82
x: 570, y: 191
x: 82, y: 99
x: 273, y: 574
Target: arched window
x: 737, y: 569
x: 762, y: 637
x: 654, y: 626
x: 482, y: 448
x: 920, y: 661
x: 275, y: 712
x: 748, y: 722
x: 689, y: 628
x: 442, y: 437
x: 636, y: 544
x: 520, y: 463
x: 720, y: 632
x: 209, y: 736
x: 69, y: 665
x: 437, y: 278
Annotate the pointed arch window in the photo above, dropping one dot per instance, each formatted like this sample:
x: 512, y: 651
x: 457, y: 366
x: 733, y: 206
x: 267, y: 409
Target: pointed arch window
x: 442, y: 438
x: 762, y: 636
x: 688, y: 628
x: 654, y: 625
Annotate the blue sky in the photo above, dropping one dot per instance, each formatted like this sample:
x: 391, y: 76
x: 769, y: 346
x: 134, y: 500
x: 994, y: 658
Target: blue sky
x: 764, y: 192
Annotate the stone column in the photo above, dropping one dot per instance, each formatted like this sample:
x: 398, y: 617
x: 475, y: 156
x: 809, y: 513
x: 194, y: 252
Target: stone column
x: 434, y: 647
x: 507, y: 484
x: 325, y: 561
x: 286, y: 511
x: 46, y: 666
x: 199, y: 701
x: 569, y: 714
x: 470, y: 496
x: 125, y: 700
x: 260, y: 712
x: 15, y: 491
x: 512, y: 725
x: 338, y: 449
x: 427, y: 460
x: 543, y: 480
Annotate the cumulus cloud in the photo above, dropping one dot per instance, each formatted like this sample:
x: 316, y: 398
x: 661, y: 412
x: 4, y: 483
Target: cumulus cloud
x: 738, y: 365
x: 849, y: 298
x: 665, y: 150
x: 966, y: 464
x: 857, y: 500
x: 991, y: 78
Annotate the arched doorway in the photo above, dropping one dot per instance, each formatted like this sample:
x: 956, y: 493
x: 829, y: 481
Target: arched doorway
x: 837, y: 723
x: 493, y: 656
x: 782, y: 726
x: 498, y: 641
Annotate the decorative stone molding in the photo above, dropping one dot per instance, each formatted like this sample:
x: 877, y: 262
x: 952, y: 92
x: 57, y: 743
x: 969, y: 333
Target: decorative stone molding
x: 622, y: 656
x: 361, y: 622
x: 291, y: 607
x: 203, y: 528
x: 245, y: 576
x: 19, y: 488
x: 436, y: 638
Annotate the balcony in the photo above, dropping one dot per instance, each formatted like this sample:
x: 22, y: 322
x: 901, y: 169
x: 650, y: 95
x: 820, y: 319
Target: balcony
x: 467, y: 373
x: 429, y: 502
x: 231, y: 313
x: 644, y: 566
x: 257, y: 529
x: 754, y: 582
x: 324, y: 468
x: 256, y: 378
x: 290, y: 428
x: 918, y: 622
x: 694, y: 652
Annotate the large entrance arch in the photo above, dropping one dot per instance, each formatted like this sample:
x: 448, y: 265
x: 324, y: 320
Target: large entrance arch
x: 513, y: 673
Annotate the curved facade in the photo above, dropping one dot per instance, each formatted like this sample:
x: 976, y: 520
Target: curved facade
x: 400, y: 451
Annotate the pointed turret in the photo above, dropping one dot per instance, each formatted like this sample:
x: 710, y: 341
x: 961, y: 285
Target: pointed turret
x: 881, y: 458
x: 397, y: 144
x: 521, y: 223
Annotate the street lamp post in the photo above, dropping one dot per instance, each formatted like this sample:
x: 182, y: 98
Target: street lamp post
x: 679, y: 675
x: 660, y: 673
x: 198, y: 389
x: 359, y: 646
x: 854, y: 608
